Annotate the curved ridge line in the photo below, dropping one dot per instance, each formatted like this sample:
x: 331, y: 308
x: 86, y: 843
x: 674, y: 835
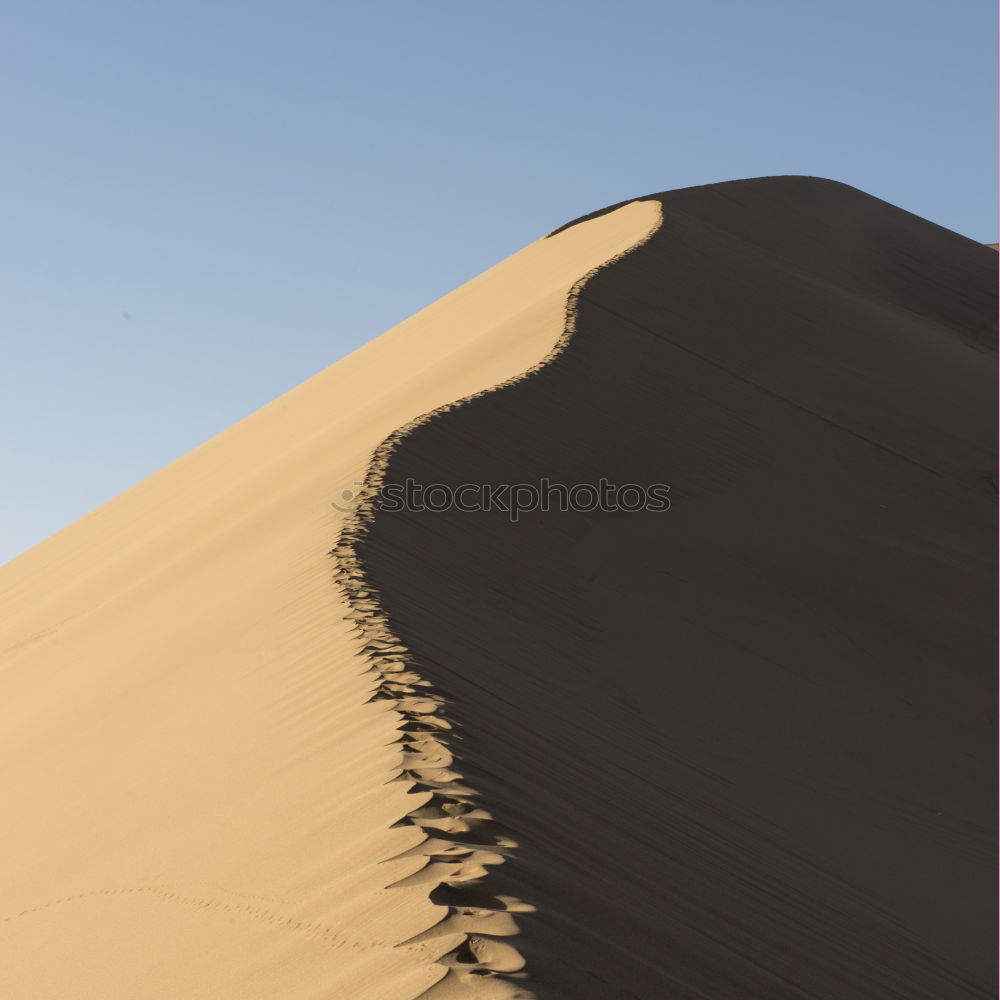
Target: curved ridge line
x: 451, y: 814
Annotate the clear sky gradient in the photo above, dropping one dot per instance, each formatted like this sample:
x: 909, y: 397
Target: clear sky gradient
x: 204, y: 202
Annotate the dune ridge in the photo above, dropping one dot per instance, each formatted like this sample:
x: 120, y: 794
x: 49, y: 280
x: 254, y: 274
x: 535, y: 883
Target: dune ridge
x: 454, y: 814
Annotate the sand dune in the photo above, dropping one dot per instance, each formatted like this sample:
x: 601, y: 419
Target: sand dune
x: 263, y: 738
x: 199, y: 791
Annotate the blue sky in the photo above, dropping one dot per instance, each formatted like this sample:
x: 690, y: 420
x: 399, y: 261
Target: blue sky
x: 204, y: 203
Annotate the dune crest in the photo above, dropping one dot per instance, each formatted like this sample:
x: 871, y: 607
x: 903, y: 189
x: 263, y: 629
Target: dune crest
x: 452, y: 814
x: 208, y: 795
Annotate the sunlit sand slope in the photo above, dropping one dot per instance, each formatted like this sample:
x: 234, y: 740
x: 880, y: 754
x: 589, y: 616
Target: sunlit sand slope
x: 745, y: 744
x: 198, y: 793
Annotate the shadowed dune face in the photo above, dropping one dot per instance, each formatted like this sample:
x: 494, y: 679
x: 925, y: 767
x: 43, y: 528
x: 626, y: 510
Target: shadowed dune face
x: 745, y: 744
x: 201, y: 798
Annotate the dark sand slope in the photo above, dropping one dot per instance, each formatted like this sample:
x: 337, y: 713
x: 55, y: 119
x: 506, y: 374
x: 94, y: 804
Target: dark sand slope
x: 745, y: 745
